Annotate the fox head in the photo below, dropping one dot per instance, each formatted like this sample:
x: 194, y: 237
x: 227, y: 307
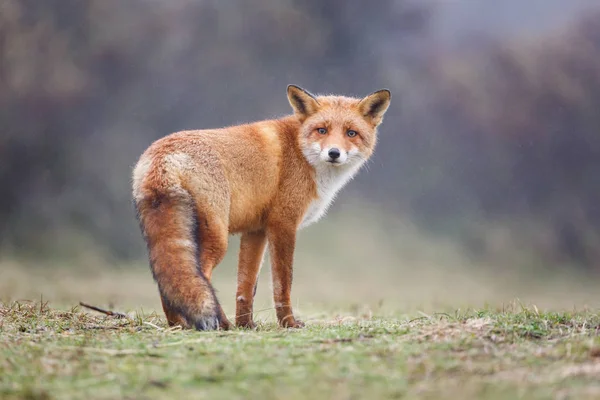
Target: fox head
x: 338, y: 131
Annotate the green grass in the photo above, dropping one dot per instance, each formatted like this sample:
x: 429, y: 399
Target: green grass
x: 509, y: 353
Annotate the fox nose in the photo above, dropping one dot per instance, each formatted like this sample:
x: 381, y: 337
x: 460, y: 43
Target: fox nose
x: 334, y: 153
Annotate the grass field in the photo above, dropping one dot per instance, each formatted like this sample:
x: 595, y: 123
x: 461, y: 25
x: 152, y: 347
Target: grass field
x: 494, y: 354
x: 396, y: 317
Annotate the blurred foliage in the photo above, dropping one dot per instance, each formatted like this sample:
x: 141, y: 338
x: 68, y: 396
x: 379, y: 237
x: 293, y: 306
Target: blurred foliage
x: 489, y: 144
x: 86, y: 85
x: 522, y: 119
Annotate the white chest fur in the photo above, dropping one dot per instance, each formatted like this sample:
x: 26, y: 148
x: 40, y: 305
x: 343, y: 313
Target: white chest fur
x: 329, y: 180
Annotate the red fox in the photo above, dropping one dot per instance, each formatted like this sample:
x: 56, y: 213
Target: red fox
x: 264, y: 180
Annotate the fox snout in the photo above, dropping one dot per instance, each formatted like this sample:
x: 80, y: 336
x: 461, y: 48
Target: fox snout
x: 334, y: 155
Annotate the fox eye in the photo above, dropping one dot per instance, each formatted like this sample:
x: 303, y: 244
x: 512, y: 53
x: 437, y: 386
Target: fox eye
x: 322, y: 131
x: 351, y: 133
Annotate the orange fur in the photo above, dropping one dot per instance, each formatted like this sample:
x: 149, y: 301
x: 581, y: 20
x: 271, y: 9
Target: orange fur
x: 264, y: 180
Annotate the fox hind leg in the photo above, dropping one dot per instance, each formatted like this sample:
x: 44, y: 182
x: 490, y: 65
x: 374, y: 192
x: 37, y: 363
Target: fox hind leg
x: 252, y: 249
x: 213, y: 241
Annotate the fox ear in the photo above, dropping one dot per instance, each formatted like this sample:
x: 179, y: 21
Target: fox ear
x: 375, y: 105
x: 303, y: 103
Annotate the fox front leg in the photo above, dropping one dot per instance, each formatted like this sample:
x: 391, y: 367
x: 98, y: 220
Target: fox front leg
x: 282, y: 242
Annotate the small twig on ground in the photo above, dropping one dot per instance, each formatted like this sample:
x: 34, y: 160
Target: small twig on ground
x: 115, y: 314
x: 153, y: 325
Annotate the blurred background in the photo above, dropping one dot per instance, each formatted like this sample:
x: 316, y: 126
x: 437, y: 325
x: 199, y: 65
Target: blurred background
x: 484, y: 186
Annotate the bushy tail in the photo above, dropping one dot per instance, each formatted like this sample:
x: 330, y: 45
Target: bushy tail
x: 169, y: 225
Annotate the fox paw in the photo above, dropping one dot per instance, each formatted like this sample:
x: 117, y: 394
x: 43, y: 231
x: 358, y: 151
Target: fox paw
x: 225, y: 325
x: 249, y: 324
x: 291, y: 322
